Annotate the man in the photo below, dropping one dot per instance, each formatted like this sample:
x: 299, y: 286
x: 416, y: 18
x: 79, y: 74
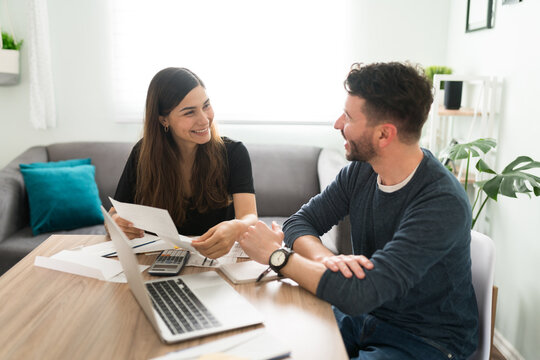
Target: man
x: 409, y: 216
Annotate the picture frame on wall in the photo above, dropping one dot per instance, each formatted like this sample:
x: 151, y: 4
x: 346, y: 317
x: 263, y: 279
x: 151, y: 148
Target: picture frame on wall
x: 480, y: 15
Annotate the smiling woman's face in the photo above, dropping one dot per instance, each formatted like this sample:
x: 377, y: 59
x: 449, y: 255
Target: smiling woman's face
x: 190, y: 120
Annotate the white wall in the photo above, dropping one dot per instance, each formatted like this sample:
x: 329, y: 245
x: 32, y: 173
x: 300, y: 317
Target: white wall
x: 78, y: 32
x: 80, y: 55
x: 510, y: 50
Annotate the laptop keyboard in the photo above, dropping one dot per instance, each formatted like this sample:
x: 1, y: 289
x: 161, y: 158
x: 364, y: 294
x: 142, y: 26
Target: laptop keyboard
x: 181, y: 310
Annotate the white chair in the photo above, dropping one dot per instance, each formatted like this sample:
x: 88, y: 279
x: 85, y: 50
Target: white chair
x: 483, y: 264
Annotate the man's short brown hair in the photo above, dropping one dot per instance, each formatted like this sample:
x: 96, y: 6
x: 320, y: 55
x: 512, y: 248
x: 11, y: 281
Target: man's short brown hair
x: 398, y: 93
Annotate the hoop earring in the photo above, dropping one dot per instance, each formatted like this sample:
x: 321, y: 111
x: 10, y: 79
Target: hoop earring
x: 166, y: 128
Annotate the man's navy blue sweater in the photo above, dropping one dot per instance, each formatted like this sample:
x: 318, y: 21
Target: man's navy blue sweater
x: 418, y: 239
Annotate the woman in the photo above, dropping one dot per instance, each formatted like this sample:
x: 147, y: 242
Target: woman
x: 183, y: 165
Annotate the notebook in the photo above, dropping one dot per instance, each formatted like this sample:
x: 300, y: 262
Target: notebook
x: 183, y: 307
x: 246, y: 271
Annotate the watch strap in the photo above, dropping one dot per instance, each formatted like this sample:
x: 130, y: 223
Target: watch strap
x: 288, y: 252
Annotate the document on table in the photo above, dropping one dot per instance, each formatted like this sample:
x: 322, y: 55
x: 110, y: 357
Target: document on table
x: 148, y: 243
x: 153, y: 220
x: 85, y: 264
x: 231, y: 257
x: 253, y: 345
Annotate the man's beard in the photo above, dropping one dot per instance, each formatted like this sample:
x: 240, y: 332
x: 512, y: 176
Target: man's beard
x: 361, y: 150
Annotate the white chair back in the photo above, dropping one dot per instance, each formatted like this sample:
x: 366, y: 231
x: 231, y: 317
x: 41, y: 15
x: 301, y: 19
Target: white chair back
x: 483, y: 265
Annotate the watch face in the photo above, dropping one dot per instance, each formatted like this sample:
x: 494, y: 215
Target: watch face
x: 277, y: 258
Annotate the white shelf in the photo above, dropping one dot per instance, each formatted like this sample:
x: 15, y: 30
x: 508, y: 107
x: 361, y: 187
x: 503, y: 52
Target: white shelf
x: 478, y: 102
x: 461, y: 112
x: 477, y: 118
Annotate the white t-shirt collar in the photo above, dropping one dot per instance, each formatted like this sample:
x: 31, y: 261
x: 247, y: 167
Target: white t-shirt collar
x: 393, y: 188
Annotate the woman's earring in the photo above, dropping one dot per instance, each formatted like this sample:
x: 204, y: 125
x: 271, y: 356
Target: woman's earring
x: 166, y: 128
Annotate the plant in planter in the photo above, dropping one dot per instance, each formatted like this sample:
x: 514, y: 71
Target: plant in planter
x: 453, y: 89
x: 9, y: 43
x: 510, y: 181
x: 9, y: 59
x: 432, y: 70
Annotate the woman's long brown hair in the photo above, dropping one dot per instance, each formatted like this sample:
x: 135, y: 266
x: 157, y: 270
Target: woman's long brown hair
x: 159, y: 178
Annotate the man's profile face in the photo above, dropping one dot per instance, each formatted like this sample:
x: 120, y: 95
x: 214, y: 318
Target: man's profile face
x: 354, y: 127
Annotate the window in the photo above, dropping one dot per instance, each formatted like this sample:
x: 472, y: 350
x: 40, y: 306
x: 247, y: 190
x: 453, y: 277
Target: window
x: 267, y: 61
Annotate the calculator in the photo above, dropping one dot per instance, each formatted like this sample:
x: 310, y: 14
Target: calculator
x: 169, y: 262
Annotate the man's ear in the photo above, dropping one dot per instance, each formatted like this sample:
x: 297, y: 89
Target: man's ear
x: 386, y: 134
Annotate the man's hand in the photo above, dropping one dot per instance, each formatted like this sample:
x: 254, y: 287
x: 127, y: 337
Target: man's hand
x: 348, y: 264
x: 126, y: 226
x: 259, y: 241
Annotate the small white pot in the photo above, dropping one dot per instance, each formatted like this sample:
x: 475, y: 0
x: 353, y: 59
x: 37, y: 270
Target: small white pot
x: 9, y: 67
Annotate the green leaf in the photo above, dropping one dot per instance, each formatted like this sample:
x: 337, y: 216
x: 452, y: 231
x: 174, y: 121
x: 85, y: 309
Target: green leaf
x: 491, y: 187
x: 519, y: 160
x: 482, y: 166
x: 521, y: 187
x: 480, y: 184
x: 532, y: 165
x: 512, y: 180
x: 507, y: 187
x: 462, y: 151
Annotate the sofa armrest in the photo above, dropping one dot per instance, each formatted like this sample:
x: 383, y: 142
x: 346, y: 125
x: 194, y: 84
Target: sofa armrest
x: 14, y: 212
x: 330, y: 163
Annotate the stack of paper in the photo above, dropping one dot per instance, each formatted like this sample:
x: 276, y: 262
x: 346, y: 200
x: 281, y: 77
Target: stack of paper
x: 85, y: 264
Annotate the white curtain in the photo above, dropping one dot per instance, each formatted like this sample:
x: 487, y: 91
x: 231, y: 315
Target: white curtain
x: 42, y: 103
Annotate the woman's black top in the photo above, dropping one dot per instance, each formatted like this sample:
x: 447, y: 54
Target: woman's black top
x: 240, y: 180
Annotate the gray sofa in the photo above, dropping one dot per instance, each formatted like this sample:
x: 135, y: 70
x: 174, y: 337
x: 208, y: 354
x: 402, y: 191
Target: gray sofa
x: 285, y: 177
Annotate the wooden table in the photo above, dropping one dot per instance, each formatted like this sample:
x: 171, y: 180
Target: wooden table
x: 47, y: 314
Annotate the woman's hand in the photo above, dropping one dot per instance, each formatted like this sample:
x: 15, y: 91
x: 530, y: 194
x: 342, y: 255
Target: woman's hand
x: 348, y: 264
x: 219, y: 240
x: 126, y: 226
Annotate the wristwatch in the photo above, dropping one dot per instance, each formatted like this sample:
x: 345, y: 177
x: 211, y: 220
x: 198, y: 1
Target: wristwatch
x: 278, y: 259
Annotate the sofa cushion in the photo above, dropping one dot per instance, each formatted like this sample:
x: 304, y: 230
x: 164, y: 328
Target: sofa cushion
x: 62, y: 195
x: 285, y: 177
x: 109, y: 158
x: 338, y: 239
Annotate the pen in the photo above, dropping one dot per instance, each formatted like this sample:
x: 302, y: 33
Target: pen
x: 136, y: 246
x: 263, y: 274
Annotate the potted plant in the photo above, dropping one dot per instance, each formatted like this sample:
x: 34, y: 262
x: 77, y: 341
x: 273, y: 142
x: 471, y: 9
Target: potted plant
x: 432, y: 70
x: 510, y: 181
x: 452, y: 89
x: 9, y: 59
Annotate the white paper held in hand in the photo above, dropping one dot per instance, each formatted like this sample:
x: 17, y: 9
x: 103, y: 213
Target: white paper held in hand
x: 154, y: 220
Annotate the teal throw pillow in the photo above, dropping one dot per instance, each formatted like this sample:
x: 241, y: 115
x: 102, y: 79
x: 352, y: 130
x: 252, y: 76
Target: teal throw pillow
x: 56, y: 164
x: 62, y: 195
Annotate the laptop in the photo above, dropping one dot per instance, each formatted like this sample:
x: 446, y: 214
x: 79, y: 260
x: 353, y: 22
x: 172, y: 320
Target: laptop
x: 183, y: 307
